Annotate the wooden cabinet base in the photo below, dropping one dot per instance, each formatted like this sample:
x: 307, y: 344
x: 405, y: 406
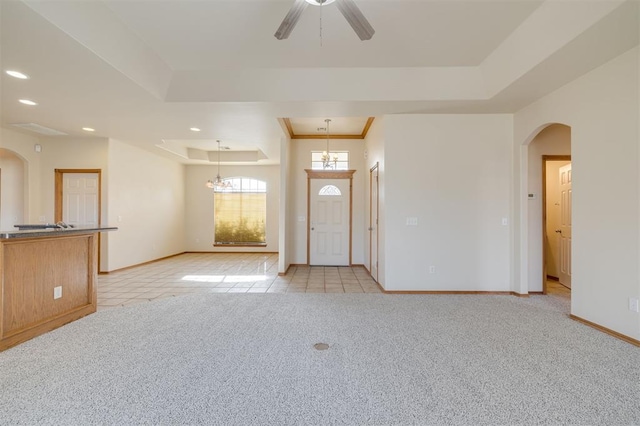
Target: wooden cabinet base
x: 46, y: 282
x: 48, y: 325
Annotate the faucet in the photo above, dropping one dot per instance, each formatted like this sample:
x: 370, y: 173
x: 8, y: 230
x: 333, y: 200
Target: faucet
x: 61, y: 224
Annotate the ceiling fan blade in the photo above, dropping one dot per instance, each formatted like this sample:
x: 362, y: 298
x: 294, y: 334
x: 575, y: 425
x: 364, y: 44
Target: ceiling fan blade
x: 356, y: 19
x: 290, y: 21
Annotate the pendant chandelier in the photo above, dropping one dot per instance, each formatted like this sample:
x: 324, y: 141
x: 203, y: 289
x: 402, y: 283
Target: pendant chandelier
x: 329, y: 162
x: 218, y: 184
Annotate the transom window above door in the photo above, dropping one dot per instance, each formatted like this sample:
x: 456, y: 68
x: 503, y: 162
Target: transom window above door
x: 341, y: 160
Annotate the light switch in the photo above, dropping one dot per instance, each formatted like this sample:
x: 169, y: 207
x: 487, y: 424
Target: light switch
x: 412, y: 221
x: 57, y: 292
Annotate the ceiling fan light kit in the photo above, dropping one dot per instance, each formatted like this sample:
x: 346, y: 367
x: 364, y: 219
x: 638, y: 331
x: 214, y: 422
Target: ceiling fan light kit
x: 320, y: 2
x: 356, y: 19
x: 348, y: 8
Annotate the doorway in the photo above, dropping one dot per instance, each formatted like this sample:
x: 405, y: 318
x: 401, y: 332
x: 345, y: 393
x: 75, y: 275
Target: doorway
x: 13, y: 190
x: 329, y: 217
x: 78, y: 199
x: 556, y: 226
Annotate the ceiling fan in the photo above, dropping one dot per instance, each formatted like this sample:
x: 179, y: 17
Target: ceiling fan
x: 348, y: 8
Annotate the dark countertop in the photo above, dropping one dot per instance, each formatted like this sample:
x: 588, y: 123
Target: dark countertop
x: 53, y: 232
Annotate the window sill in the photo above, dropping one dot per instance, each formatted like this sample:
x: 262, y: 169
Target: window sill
x: 239, y: 245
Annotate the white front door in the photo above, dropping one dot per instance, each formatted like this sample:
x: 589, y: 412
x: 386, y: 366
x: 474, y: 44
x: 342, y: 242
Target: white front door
x: 373, y: 225
x: 329, y: 222
x: 80, y: 199
x: 564, y: 271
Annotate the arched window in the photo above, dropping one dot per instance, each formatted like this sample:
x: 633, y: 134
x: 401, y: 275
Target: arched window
x: 329, y: 190
x: 240, y: 212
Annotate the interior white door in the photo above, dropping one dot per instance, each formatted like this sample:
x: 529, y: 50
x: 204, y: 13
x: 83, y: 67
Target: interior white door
x: 564, y: 271
x: 80, y: 199
x: 373, y: 225
x: 329, y: 222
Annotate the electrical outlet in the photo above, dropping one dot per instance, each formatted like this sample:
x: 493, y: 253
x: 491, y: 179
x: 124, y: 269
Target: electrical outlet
x: 57, y: 292
x: 505, y: 221
x: 432, y: 269
x: 43, y: 219
x: 412, y: 221
x: 633, y: 305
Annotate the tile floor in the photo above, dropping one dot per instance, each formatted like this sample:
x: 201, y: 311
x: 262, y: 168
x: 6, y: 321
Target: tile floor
x: 225, y: 273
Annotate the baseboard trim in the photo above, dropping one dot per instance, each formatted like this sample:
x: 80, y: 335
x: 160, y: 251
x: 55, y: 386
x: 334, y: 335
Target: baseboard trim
x: 143, y: 263
x: 286, y: 271
x: 606, y: 330
x: 537, y: 293
x: 230, y: 252
x: 184, y: 252
x: 499, y: 293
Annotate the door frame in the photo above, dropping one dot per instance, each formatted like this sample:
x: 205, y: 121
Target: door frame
x: 329, y: 174
x: 371, y: 207
x: 546, y: 158
x: 57, y: 216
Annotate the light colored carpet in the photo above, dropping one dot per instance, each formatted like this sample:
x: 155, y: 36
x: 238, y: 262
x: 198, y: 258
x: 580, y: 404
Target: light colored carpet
x: 393, y: 359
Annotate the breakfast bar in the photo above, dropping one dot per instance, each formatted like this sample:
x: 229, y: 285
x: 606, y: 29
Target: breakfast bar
x: 48, y: 278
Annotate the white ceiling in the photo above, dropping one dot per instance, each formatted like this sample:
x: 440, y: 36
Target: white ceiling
x: 144, y: 72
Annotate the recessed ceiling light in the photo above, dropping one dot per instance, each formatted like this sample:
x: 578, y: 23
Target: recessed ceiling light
x: 27, y: 102
x: 194, y: 129
x: 17, y: 74
x: 88, y: 129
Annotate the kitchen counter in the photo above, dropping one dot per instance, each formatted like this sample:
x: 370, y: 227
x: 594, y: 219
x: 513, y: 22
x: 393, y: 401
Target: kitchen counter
x: 50, y: 231
x: 48, y: 278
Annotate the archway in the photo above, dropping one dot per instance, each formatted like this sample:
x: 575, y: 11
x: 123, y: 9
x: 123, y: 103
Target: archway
x: 547, y: 148
x: 13, y: 189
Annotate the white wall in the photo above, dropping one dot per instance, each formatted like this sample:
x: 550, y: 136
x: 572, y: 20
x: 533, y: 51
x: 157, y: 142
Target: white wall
x: 284, y: 220
x: 452, y: 173
x: 70, y: 153
x: 374, y: 146
x: 553, y: 140
x: 301, y: 160
x: 147, y: 204
x: 602, y: 109
x: 23, y: 145
x: 199, y: 230
x: 67, y: 153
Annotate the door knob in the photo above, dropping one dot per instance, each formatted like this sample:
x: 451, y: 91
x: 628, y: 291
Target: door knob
x: 313, y: 229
